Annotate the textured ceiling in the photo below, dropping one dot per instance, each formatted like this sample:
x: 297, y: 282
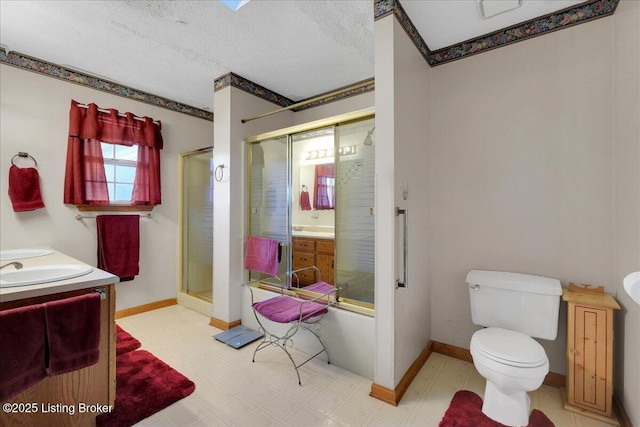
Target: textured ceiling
x: 176, y: 49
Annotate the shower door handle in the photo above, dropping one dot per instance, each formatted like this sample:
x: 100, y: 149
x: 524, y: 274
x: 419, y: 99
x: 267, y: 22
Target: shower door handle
x: 403, y: 283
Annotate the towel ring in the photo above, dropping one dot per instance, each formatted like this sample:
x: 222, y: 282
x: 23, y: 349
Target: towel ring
x: 221, y: 175
x: 25, y: 156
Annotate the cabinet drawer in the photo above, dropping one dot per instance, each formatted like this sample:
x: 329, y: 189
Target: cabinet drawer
x: 324, y: 247
x: 304, y: 245
x: 306, y: 277
x: 303, y: 259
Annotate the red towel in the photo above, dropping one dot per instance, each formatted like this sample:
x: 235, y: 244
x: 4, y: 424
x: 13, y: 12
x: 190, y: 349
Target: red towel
x: 24, y: 189
x: 119, y: 244
x: 22, y: 351
x: 305, y: 203
x: 262, y: 255
x: 73, y: 332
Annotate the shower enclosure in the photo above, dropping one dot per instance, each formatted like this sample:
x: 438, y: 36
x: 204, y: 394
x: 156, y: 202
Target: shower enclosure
x: 313, y: 190
x: 197, y: 223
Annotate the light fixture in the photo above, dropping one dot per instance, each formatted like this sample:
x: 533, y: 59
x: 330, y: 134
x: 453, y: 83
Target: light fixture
x: 329, y: 152
x: 234, y: 4
x: 489, y: 8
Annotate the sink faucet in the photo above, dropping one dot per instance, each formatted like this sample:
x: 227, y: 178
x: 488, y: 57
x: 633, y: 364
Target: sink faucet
x: 17, y: 264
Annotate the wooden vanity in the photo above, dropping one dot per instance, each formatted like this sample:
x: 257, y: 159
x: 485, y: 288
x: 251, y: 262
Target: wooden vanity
x: 308, y: 251
x: 77, y: 397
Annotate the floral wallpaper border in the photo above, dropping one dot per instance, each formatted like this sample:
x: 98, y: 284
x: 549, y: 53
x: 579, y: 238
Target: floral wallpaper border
x: 52, y: 70
x: 239, y: 82
x: 354, y: 92
x: 561, y: 19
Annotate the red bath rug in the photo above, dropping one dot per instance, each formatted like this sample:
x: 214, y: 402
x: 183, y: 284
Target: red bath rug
x: 125, y: 342
x: 465, y: 410
x: 144, y: 386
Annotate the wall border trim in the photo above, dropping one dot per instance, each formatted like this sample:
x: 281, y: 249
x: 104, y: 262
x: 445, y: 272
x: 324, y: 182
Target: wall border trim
x: 239, y: 82
x: 554, y: 21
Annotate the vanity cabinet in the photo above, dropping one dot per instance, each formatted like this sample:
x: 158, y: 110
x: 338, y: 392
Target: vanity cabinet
x: 590, y: 354
x: 308, y: 252
x: 93, y: 385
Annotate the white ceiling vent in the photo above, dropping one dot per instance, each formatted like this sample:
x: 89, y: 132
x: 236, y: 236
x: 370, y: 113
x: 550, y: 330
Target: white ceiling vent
x: 489, y: 8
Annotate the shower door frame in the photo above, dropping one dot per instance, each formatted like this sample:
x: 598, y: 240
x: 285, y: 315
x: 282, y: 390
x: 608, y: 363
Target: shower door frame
x: 336, y: 121
x: 181, y: 228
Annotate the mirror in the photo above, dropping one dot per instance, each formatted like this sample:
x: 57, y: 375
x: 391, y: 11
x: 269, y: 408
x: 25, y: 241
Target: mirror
x: 317, y: 187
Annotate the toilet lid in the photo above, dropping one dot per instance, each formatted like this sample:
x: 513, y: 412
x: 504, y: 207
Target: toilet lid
x: 508, y: 347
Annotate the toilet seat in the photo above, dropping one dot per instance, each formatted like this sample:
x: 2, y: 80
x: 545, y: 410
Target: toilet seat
x: 507, y: 347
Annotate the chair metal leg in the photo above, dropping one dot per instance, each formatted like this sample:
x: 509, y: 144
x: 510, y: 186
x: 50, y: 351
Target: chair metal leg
x: 281, y: 342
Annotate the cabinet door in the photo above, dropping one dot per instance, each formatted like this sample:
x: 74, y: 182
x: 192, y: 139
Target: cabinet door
x: 588, y: 358
x: 325, y: 265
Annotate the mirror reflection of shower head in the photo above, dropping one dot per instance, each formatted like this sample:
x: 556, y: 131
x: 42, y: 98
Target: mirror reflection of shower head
x: 368, y: 140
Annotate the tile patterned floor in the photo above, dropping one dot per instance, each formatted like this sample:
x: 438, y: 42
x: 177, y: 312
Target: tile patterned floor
x: 232, y: 391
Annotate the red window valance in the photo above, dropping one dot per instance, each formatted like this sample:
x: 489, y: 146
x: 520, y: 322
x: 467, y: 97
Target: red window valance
x: 89, y: 123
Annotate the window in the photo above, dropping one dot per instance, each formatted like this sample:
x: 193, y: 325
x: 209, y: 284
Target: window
x: 120, y: 164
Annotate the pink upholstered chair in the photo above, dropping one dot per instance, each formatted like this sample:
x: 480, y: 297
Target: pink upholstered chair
x: 263, y: 255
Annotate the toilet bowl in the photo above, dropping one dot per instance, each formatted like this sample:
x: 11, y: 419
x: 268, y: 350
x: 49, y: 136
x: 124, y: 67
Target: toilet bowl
x: 512, y: 364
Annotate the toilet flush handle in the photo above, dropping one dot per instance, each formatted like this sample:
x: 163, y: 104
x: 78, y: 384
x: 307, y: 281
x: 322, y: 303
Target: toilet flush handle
x: 475, y: 287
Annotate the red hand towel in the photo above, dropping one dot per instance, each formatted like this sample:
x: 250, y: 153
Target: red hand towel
x: 262, y: 255
x: 24, y: 189
x: 73, y: 332
x: 22, y: 353
x: 119, y: 244
x: 305, y: 203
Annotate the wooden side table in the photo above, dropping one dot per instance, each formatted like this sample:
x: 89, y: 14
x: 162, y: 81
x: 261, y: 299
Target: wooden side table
x: 589, y: 376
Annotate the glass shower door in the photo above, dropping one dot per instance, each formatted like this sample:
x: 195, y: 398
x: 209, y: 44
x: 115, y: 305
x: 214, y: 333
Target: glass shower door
x: 197, y: 223
x: 270, y: 198
x: 355, y: 227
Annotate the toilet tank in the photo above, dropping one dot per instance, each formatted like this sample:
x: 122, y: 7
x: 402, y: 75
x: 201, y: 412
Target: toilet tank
x: 515, y: 301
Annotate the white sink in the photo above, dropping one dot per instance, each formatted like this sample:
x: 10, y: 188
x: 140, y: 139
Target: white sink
x: 11, y: 254
x: 10, y: 276
x: 632, y: 286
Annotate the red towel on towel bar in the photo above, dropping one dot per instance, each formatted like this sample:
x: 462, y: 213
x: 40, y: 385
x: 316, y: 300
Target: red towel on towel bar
x: 262, y: 255
x: 119, y: 244
x: 22, y: 353
x: 24, y: 189
x: 73, y: 332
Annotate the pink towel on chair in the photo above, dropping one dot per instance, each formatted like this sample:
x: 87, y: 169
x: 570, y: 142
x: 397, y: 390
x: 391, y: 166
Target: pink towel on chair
x: 284, y: 309
x: 22, y: 353
x: 262, y: 255
x: 24, y: 189
x: 73, y: 332
x: 119, y: 245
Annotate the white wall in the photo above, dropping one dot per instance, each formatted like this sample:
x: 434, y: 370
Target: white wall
x: 627, y: 199
x: 521, y: 170
x: 385, y: 246
x: 34, y: 117
x: 411, y: 108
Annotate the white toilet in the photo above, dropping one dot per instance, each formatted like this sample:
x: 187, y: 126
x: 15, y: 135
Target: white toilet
x: 514, y: 308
